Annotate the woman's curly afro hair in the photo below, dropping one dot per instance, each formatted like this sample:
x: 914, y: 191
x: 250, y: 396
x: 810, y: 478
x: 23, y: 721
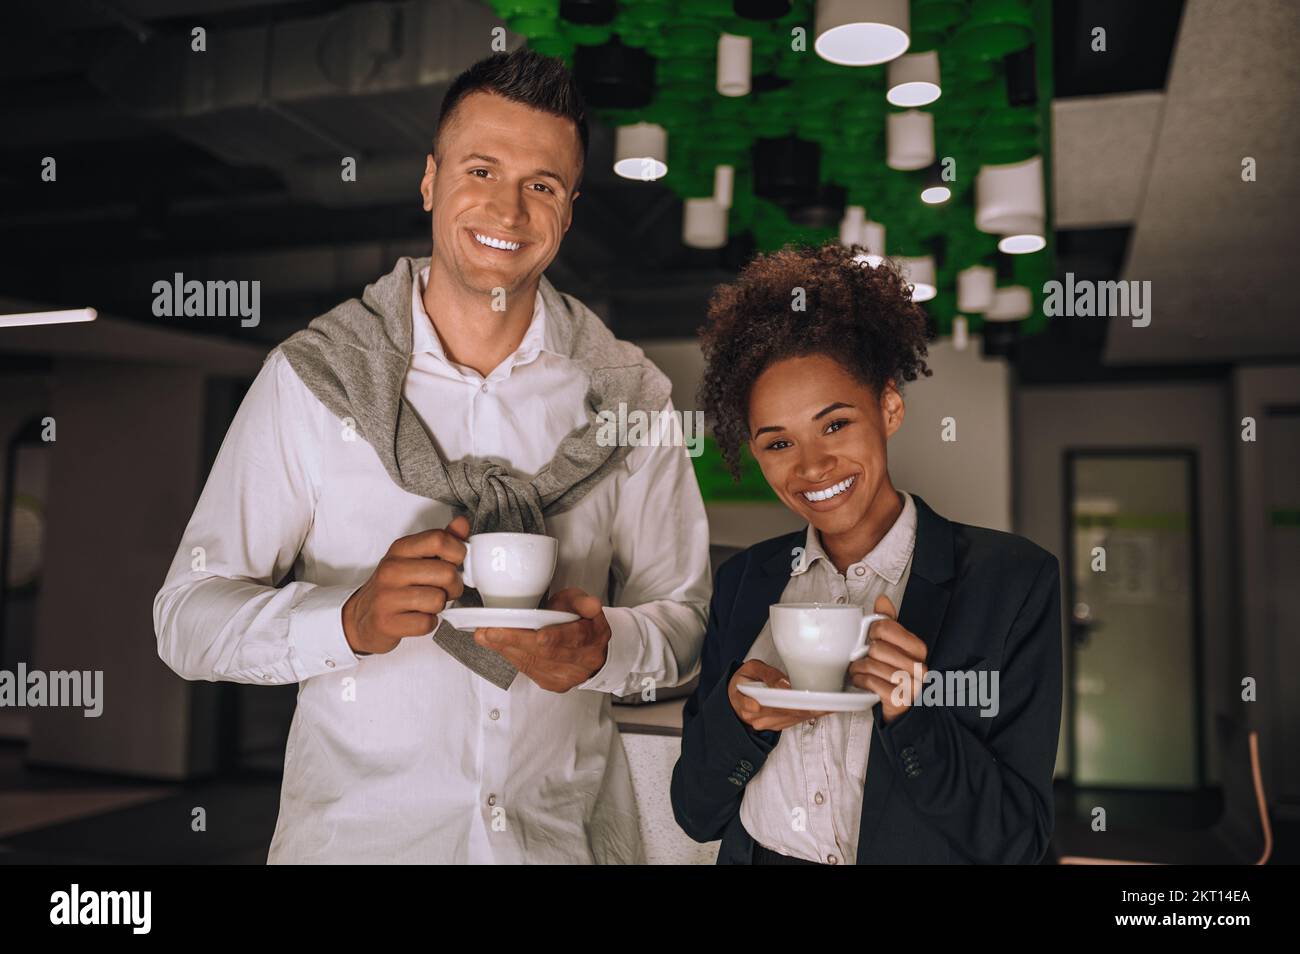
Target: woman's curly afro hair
x: 860, y: 316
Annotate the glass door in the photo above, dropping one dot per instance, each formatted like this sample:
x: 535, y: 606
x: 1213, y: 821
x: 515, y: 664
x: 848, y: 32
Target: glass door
x: 1134, y: 696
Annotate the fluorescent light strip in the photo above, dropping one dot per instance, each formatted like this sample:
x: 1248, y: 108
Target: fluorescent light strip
x: 47, y: 318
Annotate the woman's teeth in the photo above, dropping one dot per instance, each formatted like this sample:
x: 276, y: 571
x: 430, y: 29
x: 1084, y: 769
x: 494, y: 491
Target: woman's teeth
x: 496, y: 243
x: 829, y: 492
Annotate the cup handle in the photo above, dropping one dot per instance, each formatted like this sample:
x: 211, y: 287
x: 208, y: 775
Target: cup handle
x: 864, y: 642
x: 466, y: 574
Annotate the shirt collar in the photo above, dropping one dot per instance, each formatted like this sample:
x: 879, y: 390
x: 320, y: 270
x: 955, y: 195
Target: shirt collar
x: 540, y: 336
x: 888, y: 559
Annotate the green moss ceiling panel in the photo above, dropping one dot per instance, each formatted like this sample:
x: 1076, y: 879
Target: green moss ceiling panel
x: 841, y: 108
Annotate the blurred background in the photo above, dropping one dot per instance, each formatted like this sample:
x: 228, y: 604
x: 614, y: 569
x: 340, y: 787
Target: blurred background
x: 1088, y: 142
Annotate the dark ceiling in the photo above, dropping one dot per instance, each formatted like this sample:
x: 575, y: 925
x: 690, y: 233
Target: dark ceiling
x: 132, y: 191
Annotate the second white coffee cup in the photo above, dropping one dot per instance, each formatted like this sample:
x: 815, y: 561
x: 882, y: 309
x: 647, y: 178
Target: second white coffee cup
x: 817, y: 641
x: 510, y: 570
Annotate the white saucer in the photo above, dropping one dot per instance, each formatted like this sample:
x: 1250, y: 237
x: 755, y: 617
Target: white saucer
x: 854, y: 700
x: 476, y: 617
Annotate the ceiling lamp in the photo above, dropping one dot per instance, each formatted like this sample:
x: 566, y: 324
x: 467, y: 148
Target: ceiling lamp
x: 857, y: 229
x: 734, y: 58
x: 873, y: 240
x: 822, y: 211
x: 787, y: 171
x: 975, y: 288
x: 861, y: 32
x: 909, y: 140
x: 641, y: 151
x: 855, y: 217
x: 960, y: 332
x: 914, y: 79
x: 936, y: 191
x: 919, y: 273
x: 588, y: 11
x: 615, y: 75
x: 724, y: 178
x: 704, y: 224
x: 1022, y: 243
x: 1009, y: 202
x: 1010, y: 303
x: 761, y: 9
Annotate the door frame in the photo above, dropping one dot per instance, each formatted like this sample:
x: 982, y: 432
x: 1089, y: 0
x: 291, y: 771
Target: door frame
x: 1191, y: 456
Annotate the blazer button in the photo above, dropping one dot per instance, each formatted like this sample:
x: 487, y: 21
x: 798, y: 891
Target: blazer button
x: 746, y: 765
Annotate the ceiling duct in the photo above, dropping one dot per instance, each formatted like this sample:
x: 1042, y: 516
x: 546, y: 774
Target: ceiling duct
x: 300, y: 95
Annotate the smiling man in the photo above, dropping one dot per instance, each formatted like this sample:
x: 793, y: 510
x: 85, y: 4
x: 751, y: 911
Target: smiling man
x: 460, y: 394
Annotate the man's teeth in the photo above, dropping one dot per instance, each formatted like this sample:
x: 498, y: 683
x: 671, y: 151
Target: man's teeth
x: 496, y: 243
x: 829, y: 492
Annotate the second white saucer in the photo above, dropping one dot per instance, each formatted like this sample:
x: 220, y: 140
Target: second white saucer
x: 477, y: 617
x: 855, y: 700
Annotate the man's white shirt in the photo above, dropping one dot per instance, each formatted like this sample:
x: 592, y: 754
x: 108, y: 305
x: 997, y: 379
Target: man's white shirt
x: 408, y: 756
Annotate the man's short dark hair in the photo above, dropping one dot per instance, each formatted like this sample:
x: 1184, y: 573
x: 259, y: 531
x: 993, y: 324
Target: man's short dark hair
x: 522, y: 76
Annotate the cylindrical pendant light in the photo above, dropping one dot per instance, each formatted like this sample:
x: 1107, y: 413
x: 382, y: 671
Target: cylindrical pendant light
x: 909, y: 140
x: 1030, y: 239
x: 787, y: 170
x: 935, y: 191
x: 914, y: 79
x: 975, y: 287
x: 919, y: 272
x: 641, y: 151
x: 855, y: 217
x: 960, y: 332
x: 861, y: 32
x: 872, y: 238
x: 1010, y: 303
x: 704, y: 224
x: 724, y: 178
x: 734, y: 64
x: 761, y: 9
x: 1009, y: 198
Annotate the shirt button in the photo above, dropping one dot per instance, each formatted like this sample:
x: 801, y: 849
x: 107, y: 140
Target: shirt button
x: 839, y: 599
x: 812, y: 722
x: 267, y: 676
x: 330, y: 663
x: 492, y: 799
x: 860, y: 570
x: 819, y: 798
x: 484, y: 388
x: 494, y: 714
x: 832, y: 860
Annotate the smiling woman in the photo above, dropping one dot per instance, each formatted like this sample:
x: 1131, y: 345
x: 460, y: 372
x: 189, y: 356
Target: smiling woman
x: 806, y: 355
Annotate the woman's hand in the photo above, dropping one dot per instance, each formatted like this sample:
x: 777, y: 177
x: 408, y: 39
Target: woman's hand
x: 751, y: 712
x: 894, y: 668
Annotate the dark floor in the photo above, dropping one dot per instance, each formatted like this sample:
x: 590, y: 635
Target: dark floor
x: 1169, y: 827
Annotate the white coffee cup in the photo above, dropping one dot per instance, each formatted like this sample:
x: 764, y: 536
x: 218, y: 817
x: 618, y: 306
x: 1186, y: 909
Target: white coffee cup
x: 817, y: 641
x: 510, y: 570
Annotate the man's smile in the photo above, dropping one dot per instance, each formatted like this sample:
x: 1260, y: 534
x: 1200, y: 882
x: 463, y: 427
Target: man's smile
x: 495, y: 243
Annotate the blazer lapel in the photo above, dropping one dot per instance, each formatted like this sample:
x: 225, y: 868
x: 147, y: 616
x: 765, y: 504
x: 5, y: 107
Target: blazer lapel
x: 925, y: 601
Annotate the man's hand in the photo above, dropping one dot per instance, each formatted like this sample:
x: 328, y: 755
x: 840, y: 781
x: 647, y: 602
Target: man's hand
x: 411, y: 586
x: 894, y: 666
x: 556, y: 657
x: 758, y: 716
